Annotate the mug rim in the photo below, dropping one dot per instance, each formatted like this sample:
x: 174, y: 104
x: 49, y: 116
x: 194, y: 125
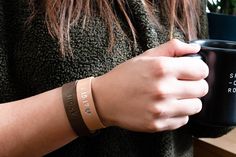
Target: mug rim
x: 201, y: 41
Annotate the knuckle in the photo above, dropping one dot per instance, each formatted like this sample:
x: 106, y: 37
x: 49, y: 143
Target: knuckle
x: 161, y: 90
x: 149, y: 121
x: 160, y: 67
x: 151, y: 127
x: 159, y: 111
x: 158, y: 126
x: 175, y: 43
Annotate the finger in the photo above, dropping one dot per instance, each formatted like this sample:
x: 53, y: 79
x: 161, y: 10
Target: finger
x: 170, y: 123
x: 177, y: 108
x: 187, y: 68
x: 189, y: 89
x: 173, y: 48
x: 183, y: 68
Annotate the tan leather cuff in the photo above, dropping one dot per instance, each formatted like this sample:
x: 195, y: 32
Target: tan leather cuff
x: 87, y: 106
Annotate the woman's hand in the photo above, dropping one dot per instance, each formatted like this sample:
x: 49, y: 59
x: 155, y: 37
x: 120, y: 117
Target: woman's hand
x: 153, y: 92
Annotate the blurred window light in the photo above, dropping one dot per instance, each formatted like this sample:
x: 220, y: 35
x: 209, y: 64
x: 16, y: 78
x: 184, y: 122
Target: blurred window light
x: 214, y: 1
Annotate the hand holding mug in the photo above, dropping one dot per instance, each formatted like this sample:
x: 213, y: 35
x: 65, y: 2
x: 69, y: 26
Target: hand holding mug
x: 152, y: 92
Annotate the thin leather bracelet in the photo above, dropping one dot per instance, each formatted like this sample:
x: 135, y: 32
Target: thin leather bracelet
x: 69, y: 95
x: 87, y: 106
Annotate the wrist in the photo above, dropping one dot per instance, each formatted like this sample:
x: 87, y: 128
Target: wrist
x: 101, y: 100
x: 80, y: 107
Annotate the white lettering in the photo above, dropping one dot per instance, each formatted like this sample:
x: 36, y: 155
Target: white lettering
x: 231, y: 75
x: 84, y: 97
x: 231, y: 90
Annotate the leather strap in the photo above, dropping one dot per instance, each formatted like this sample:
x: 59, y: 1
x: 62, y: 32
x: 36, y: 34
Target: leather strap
x: 87, y: 106
x: 69, y: 95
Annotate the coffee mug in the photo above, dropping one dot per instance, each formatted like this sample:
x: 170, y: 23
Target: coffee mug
x: 219, y: 105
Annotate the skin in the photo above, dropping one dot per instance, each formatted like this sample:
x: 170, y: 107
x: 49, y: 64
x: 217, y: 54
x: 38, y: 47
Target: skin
x: 155, y: 91
x: 152, y: 92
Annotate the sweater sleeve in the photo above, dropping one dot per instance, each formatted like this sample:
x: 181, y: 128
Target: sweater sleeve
x: 7, y: 90
x: 199, y: 130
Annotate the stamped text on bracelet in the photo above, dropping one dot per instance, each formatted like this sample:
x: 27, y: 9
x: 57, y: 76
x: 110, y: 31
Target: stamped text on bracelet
x: 70, y: 102
x: 85, y: 101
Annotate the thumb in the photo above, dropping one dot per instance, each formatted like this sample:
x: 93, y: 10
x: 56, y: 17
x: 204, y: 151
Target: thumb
x: 173, y: 48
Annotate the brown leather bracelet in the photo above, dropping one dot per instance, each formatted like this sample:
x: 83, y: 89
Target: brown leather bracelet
x: 69, y: 95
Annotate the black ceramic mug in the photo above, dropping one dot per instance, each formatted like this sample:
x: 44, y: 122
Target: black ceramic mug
x: 219, y: 105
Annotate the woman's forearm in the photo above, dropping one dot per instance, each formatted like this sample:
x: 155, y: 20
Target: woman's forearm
x: 152, y: 92
x: 34, y: 126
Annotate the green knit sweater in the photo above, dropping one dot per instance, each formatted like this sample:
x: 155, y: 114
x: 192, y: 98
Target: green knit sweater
x: 31, y: 64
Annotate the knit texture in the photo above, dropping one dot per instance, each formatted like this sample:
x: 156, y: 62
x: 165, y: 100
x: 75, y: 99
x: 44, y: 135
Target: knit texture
x: 31, y: 64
